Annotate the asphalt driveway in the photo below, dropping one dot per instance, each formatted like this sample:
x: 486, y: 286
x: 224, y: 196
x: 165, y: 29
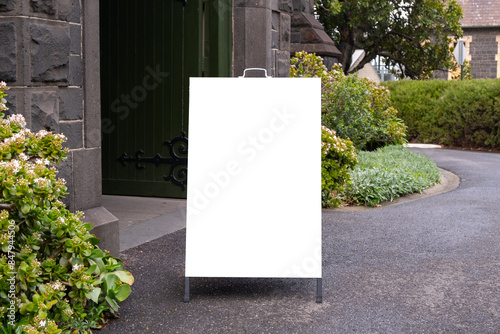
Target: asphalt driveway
x: 425, y: 266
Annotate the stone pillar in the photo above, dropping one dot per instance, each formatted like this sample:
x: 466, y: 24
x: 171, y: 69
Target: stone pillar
x: 262, y: 36
x: 309, y: 35
x: 50, y: 60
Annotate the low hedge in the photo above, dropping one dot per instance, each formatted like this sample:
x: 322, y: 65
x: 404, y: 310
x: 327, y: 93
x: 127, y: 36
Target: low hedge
x: 454, y: 113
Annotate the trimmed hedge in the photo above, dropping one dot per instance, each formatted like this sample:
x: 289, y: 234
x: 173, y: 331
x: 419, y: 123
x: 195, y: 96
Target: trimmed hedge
x: 454, y: 113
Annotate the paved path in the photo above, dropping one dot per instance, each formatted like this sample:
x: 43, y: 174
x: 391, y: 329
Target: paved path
x: 426, y: 266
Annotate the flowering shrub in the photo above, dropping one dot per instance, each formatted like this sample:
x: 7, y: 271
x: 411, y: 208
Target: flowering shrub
x: 354, y: 107
x: 53, y: 276
x: 338, y: 157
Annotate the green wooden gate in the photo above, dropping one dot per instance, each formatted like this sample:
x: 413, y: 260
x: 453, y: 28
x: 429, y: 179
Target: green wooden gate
x: 149, y: 49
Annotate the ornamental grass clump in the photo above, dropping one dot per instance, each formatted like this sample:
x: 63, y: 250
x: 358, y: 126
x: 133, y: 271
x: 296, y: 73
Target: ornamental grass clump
x: 53, y: 276
x: 388, y: 173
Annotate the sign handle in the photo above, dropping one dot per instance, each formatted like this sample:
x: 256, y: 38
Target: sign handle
x: 255, y: 69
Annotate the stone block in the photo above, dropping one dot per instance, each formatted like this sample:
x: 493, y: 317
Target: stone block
x: 69, y: 10
x: 275, y: 41
x: 285, y: 6
x: 7, y: 5
x: 73, y: 130
x: 8, y: 51
x: 282, y: 64
x: 308, y: 6
x: 44, y: 113
x: 275, y: 20
x: 50, y: 48
x: 106, y: 228
x: 75, y: 70
x: 43, y: 6
x: 75, y: 33
x: 297, y: 5
x: 70, y: 104
x: 87, y: 186
x: 285, y: 28
x: 309, y: 35
x: 295, y: 37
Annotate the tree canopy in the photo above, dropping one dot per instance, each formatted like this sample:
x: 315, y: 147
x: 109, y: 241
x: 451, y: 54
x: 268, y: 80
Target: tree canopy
x: 416, y: 35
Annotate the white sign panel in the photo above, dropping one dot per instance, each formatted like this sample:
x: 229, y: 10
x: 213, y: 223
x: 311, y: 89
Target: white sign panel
x: 460, y: 52
x: 254, y: 178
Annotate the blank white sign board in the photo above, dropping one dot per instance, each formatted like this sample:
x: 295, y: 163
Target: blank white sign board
x: 254, y: 178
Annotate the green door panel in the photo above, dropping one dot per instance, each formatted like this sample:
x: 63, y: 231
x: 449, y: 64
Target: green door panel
x: 149, y: 49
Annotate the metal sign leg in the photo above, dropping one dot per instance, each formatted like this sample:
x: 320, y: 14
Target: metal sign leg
x: 186, y: 290
x: 319, y: 290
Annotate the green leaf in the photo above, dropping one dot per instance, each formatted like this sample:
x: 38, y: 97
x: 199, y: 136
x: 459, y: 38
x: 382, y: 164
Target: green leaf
x: 109, y: 282
x: 112, y: 303
x: 88, y: 226
x: 125, y: 276
x: 30, y: 307
x: 94, y: 240
x: 63, y: 261
x: 123, y: 292
x: 94, y: 295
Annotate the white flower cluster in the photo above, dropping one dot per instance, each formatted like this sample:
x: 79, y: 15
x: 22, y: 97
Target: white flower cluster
x: 77, y: 267
x: 42, y: 182
x: 17, y: 139
x: 57, y: 286
x: 42, y: 133
x: 17, y: 118
x: 42, y: 162
x: 60, y: 136
x: 14, y: 165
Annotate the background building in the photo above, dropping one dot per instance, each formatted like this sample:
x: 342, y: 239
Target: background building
x: 481, y: 27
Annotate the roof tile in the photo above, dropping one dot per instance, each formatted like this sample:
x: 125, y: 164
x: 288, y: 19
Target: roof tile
x: 480, y: 13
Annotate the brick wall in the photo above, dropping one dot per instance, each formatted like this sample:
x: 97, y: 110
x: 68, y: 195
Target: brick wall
x: 483, y: 52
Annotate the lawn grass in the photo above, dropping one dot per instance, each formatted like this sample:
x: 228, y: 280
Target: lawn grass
x: 388, y: 173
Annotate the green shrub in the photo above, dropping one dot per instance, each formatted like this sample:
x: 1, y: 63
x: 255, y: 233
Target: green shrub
x: 387, y: 173
x: 356, y: 108
x: 469, y: 114
x: 416, y: 102
x: 338, y: 157
x: 53, y: 276
x: 456, y: 113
